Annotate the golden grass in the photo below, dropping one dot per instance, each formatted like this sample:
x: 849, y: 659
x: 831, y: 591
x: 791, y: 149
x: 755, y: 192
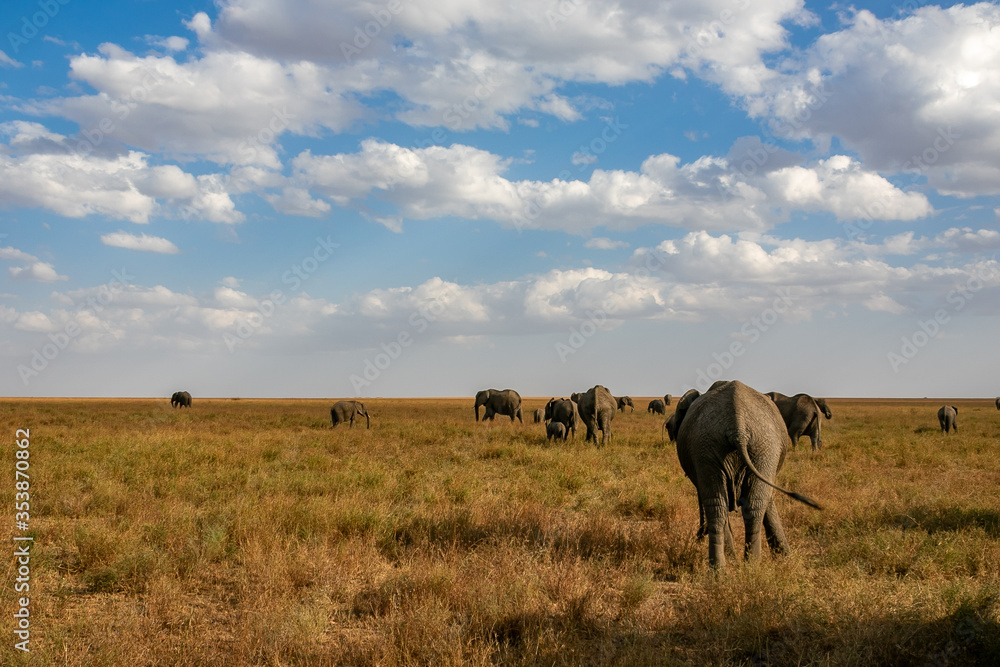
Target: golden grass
x: 247, y: 532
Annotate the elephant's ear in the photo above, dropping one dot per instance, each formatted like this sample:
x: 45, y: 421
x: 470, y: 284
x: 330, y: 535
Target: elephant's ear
x: 673, y: 424
x: 955, y: 409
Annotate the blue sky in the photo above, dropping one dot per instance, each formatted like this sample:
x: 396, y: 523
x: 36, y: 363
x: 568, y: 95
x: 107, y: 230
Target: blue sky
x: 417, y: 198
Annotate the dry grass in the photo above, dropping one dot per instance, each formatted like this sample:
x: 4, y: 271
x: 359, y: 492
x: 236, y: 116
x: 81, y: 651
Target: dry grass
x: 247, y: 532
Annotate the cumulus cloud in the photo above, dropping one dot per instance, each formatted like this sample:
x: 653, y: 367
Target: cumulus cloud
x: 697, y: 277
x: 266, y: 67
x: 914, y: 95
x: 31, y: 268
x: 226, y: 106
x: 143, y: 242
x: 602, y: 243
x: 708, y: 193
x: 41, y: 169
x: 42, y: 272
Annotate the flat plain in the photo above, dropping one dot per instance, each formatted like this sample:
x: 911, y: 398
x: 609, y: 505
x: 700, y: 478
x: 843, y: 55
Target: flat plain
x: 248, y: 532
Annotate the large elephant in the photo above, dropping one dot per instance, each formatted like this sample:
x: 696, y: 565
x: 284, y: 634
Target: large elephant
x: 666, y: 399
x: 497, y: 402
x: 801, y: 414
x: 539, y: 415
x: 565, y: 412
x: 597, y: 409
x: 180, y: 399
x: 345, y: 411
x: 998, y: 402
x: 948, y: 418
x: 625, y: 401
x: 731, y: 443
x: 657, y: 407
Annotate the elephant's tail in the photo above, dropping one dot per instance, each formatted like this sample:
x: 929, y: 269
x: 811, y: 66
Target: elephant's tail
x: 791, y: 494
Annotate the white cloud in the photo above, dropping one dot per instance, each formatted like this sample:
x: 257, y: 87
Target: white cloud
x: 698, y: 277
x: 144, y: 242
x: 34, y: 321
x: 41, y: 170
x: 172, y: 43
x: 42, y: 272
x: 296, y: 201
x: 708, y: 193
x: 7, y: 61
x: 32, y: 268
x: 601, y: 243
x: 884, y: 303
x: 226, y: 106
x: 916, y: 95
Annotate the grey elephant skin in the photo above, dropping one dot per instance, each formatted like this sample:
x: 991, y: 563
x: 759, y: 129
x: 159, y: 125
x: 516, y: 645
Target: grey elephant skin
x: 563, y: 411
x: 666, y: 399
x: 180, y: 399
x: 948, y: 418
x: 998, y: 403
x: 625, y: 402
x: 731, y: 443
x: 499, y: 402
x: 657, y: 407
x: 555, y: 430
x: 346, y: 411
x: 539, y: 415
x: 802, y: 416
x: 597, y: 408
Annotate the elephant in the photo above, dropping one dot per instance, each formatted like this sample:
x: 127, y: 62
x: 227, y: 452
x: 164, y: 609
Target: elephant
x: 731, y: 443
x: 624, y: 401
x: 597, y: 409
x: 556, y: 430
x: 345, y: 411
x: 496, y: 402
x: 801, y: 414
x: 948, y: 418
x: 666, y: 399
x: 180, y: 399
x: 998, y: 402
x: 539, y: 415
x: 657, y: 407
x: 565, y: 412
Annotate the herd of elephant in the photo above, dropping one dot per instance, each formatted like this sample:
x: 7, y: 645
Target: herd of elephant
x: 597, y: 407
x: 731, y: 443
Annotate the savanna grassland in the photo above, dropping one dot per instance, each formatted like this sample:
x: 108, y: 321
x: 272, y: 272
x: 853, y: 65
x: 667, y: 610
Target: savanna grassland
x: 248, y: 532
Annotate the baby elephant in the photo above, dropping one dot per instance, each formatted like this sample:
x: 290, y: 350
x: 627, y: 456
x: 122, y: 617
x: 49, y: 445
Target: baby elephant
x: 556, y: 430
x: 948, y: 418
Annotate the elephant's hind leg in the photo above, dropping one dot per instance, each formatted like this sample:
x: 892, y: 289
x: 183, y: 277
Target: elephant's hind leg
x: 717, y: 516
x: 773, y: 530
x: 753, y: 520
